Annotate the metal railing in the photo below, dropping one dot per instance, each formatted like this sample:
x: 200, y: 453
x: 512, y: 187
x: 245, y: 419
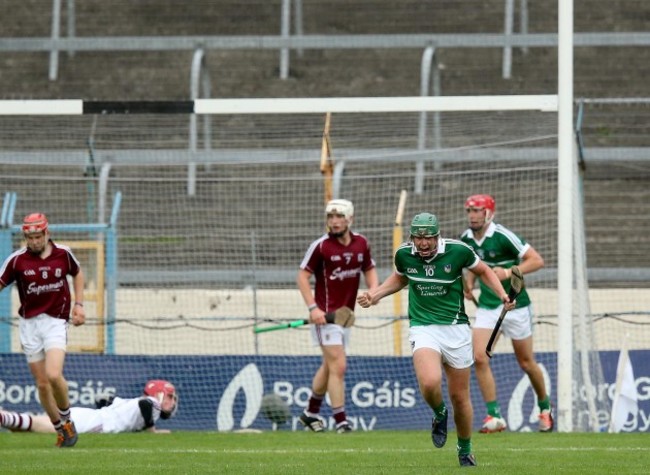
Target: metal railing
x: 285, y: 41
x: 199, y: 81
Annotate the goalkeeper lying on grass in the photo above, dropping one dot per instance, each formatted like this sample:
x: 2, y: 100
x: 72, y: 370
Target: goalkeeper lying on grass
x: 113, y: 414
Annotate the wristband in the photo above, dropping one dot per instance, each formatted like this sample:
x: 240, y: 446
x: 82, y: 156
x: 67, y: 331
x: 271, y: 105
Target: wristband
x: 312, y: 307
x: 79, y: 303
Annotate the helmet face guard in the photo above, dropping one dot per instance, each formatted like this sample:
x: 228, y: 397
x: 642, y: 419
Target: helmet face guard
x: 425, y: 225
x: 485, y: 202
x: 160, y: 389
x: 35, y: 223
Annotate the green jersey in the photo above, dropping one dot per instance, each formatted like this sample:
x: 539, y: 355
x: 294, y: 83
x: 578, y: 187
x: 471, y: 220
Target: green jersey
x: 499, y: 247
x: 436, y: 284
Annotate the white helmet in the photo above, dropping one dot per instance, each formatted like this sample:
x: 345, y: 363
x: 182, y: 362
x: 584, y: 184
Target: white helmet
x: 343, y: 207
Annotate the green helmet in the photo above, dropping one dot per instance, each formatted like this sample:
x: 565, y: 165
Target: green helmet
x: 425, y: 225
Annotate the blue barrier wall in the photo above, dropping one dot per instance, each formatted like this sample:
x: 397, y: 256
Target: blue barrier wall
x: 224, y: 392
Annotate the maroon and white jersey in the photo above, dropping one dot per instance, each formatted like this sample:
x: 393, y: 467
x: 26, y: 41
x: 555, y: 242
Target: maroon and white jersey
x: 42, y: 283
x: 337, y: 269
x: 122, y: 415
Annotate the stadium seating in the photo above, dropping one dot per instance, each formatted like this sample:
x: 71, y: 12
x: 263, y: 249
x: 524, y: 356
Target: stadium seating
x: 149, y: 75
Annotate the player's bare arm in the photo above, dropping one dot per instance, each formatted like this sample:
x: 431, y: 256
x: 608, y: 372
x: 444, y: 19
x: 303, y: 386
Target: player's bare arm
x: 392, y: 284
x: 78, y: 311
x: 469, y: 280
x: 316, y: 315
x: 489, y: 277
x: 531, y: 261
x: 372, y: 279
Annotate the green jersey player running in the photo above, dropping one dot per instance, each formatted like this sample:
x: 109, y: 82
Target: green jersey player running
x: 500, y: 248
x: 439, y: 332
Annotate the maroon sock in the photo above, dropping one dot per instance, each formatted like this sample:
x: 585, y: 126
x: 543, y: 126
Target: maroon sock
x: 315, y: 402
x: 339, y: 414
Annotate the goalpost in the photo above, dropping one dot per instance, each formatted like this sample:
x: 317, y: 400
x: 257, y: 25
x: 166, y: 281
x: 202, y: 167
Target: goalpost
x: 91, y: 255
x: 196, y: 272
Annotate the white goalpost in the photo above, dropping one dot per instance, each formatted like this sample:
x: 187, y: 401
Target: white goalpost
x: 565, y: 209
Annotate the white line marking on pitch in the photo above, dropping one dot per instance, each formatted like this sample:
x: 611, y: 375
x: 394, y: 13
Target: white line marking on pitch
x: 323, y: 451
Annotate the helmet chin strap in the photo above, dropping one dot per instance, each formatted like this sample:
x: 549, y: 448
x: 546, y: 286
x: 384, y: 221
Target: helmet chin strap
x: 430, y: 253
x: 486, y: 222
x: 340, y: 233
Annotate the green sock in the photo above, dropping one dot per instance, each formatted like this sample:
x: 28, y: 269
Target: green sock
x: 544, y: 404
x: 440, y: 411
x: 464, y: 446
x: 493, y: 408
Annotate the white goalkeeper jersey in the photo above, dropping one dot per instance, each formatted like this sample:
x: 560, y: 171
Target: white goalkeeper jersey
x: 123, y: 415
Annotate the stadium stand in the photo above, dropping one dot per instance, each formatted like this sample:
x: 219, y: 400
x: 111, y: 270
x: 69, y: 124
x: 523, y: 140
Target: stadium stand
x: 600, y: 72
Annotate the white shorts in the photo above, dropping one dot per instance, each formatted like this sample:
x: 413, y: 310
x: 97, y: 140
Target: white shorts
x: 86, y: 420
x: 329, y: 334
x: 517, y: 324
x: 453, y: 342
x: 40, y: 334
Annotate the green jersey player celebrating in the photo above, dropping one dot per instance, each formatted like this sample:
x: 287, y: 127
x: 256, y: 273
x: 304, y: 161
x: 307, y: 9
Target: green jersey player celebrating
x: 500, y: 248
x: 439, y: 332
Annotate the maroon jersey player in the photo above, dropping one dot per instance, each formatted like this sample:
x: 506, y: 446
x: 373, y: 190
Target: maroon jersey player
x: 336, y: 260
x: 40, y: 271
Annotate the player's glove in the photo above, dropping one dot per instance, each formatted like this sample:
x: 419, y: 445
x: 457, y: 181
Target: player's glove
x: 103, y: 400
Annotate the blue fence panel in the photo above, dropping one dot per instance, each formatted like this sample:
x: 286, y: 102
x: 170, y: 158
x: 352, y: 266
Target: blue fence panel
x: 225, y: 392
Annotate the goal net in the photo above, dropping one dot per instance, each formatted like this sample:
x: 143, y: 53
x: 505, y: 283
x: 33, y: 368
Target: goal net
x: 217, y: 212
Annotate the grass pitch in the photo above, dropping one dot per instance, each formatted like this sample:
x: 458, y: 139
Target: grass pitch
x: 283, y: 452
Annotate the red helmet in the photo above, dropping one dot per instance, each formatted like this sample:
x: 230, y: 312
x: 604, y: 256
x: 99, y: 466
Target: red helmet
x: 35, y: 223
x: 159, y: 388
x: 485, y: 202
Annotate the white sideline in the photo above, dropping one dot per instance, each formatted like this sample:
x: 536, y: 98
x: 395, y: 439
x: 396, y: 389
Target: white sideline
x: 327, y: 450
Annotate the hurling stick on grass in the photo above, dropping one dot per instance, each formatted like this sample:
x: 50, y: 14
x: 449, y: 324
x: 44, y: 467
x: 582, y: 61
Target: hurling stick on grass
x: 516, y: 286
x: 343, y: 316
